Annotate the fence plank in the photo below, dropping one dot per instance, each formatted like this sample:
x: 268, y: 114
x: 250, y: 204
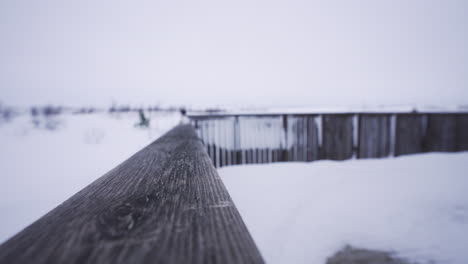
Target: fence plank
x: 337, y: 136
x: 374, y: 136
x: 300, y: 141
x: 312, y: 139
x: 441, y: 133
x: 462, y: 132
x: 410, y: 134
x: 165, y: 204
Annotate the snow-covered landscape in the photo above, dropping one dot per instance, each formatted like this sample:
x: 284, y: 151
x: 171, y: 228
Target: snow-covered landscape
x: 42, y: 167
x: 415, y: 206
x: 86, y: 84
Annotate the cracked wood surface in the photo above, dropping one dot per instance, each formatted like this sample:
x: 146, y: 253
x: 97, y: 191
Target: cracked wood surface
x: 165, y: 204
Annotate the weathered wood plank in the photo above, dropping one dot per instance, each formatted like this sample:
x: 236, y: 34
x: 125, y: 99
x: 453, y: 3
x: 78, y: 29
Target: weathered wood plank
x: 462, y: 132
x: 337, y: 136
x: 312, y: 139
x: 300, y: 138
x: 410, y: 134
x: 441, y: 133
x: 374, y: 136
x: 165, y: 204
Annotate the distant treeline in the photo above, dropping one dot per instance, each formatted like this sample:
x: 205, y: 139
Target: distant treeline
x: 9, y: 112
x: 6, y: 113
x: 128, y: 108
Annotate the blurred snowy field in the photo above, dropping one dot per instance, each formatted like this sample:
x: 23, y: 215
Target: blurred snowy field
x: 45, y: 160
x: 415, y: 206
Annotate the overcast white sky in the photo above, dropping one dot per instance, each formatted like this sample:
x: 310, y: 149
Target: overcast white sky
x: 234, y: 53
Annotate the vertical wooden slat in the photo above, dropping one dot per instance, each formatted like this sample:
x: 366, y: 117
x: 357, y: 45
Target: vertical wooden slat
x: 356, y: 133
x: 259, y: 141
x: 223, y: 141
x: 226, y: 137
x: 292, y: 137
x: 338, y: 136
x: 237, y: 157
x: 392, y: 134
x: 302, y: 140
x: 299, y: 139
x: 410, y: 134
x: 319, y: 123
x: 312, y: 139
x: 462, y: 132
x: 374, y: 136
x: 441, y: 132
x: 304, y: 137
x: 242, y: 146
x: 214, y: 147
x: 216, y: 140
x: 285, y: 150
x: 209, y: 141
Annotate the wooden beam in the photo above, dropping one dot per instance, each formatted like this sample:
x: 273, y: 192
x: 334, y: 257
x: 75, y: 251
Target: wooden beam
x: 165, y: 204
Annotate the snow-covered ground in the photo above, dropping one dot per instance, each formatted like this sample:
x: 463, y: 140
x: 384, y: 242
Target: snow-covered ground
x: 415, y: 205
x: 42, y: 163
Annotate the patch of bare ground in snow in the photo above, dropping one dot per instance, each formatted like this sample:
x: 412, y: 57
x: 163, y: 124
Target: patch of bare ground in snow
x: 351, y: 255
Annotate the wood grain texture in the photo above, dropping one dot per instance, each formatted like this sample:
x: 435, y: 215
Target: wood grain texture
x: 374, y: 136
x: 165, y: 204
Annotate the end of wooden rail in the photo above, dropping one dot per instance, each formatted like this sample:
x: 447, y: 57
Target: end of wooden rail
x: 165, y: 204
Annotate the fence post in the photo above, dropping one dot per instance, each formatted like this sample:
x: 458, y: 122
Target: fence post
x: 410, y: 133
x: 337, y: 136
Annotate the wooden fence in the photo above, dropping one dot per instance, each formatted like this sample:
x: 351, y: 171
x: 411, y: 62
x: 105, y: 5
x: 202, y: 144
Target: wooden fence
x: 253, y: 138
x: 165, y: 204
